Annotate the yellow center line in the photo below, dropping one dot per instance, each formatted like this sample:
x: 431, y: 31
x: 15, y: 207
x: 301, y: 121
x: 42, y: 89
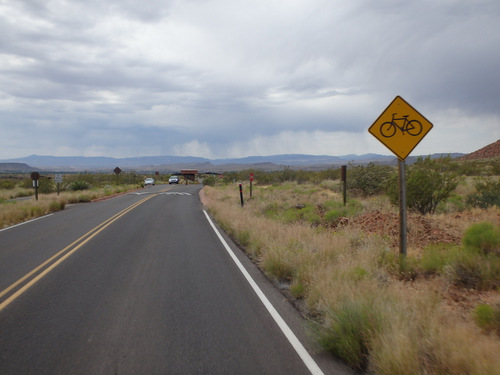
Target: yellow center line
x: 70, y: 249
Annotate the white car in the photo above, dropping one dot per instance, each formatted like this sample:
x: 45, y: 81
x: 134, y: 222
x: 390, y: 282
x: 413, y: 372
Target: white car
x: 173, y: 180
x: 149, y: 181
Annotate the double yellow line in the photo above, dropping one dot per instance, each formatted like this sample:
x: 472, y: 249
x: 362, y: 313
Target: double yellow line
x: 31, y: 278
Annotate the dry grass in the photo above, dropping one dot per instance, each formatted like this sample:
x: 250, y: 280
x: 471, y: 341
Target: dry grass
x: 16, y: 211
x: 344, y: 280
x: 6, y: 194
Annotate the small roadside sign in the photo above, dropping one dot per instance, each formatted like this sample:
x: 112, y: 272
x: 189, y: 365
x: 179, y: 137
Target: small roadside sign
x: 58, y: 178
x: 400, y: 128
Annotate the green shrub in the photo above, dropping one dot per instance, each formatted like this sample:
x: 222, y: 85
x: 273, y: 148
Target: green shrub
x: 46, y: 186
x: 305, y: 212
x: 332, y: 217
x: 436, y: 257
x: 359, y: 273
x: 243, y: 238
x: 297, y: 289
x: 428, y: 182
x: 455, y: 203
x: 276, y: 265
x: 56, y: 206
x: 465, y: 272
x: 475, y: 265
x: 483, y: 237
x: 79, y: 185
x: 487, y: 317
x: 474, y: 271
x: 36, y: 211
x: 7, y: 184
x: 272, y: 210
x: 335, y: 210
x: 310, y: 214
x: 487, y: 194
x: 370, y: 179
x: 84, y: 198
x: 209, y: 181
x: 349, y: 329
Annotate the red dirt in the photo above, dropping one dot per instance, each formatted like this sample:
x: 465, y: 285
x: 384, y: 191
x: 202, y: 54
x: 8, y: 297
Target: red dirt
x: 421, y: 230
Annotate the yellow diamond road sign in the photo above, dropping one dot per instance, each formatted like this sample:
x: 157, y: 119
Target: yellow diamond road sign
x: 400, y: 127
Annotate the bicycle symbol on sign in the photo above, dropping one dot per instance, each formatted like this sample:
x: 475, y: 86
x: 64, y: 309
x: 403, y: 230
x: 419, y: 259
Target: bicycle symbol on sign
x: 412, y: 127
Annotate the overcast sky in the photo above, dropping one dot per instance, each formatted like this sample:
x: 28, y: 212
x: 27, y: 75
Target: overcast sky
x: 234, y: 78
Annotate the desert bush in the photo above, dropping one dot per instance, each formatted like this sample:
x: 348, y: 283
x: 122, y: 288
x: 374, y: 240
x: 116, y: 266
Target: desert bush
x: 209, y: 181
x: 351, y: 326
x: 335, y: 211
x: 428, y: 182
x: 487, y: 317
x: 278, y: 263
x: 7, y: 184
x: 370, y: 179
x: 437, y: 256
x: 56, y: 206
x: 474, y: 265
x: 482, y: 237
x: 487, y: 194
x: 305, y: 212
x: 454, y: 203
x: 474, y: 271
x: 479, y: 167
x: 46, y: 186
x: 79, y: 185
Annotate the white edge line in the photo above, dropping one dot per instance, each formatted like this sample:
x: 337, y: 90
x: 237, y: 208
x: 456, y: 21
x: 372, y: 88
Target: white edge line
x: 294, y: 341
x: 26, y: 222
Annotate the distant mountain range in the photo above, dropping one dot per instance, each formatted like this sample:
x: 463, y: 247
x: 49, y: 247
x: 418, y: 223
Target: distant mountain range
x: 176, y: 163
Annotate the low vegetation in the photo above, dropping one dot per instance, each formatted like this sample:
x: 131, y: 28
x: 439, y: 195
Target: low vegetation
x: 341, y: 266
x: 17, y: 202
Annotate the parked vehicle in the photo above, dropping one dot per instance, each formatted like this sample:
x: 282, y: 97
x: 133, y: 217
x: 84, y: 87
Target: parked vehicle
x: 149, y: 181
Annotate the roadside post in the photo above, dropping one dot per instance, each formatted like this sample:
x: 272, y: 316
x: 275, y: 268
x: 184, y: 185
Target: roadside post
x: 58, y: 179
x: 241, y: 194
x: 117, y: 171
x: 343, y: 178
x: 251, y: 182
x: 400, y: 128
x: 35, y: 176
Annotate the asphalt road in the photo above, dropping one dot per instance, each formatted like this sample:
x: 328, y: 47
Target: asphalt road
x: 142, y: 284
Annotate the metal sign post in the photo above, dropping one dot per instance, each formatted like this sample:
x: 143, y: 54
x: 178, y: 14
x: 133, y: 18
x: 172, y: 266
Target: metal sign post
x: 35, y: 176
x: 400, y: 128
x: 117, y: 171
x: 402, y: 208
x: 58, y: 179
